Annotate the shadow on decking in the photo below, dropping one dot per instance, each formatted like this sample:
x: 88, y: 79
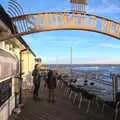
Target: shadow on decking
x: 63, y: 109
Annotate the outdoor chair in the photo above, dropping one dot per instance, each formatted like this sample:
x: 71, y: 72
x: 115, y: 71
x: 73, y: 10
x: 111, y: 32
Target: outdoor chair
x: 117, y: 110
x: 83, y: 96
x: 71, y: 91
x: 114, y: 107
x: 63, y: 82
x: 90, y: 97
x: 58, y: 83
x: 67, y: 90
x: 87, y: 97
x: 77, y: 94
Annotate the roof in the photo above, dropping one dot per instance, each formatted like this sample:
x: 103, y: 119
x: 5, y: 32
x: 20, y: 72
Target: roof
x: 26, y: 45
x: 7, y: 20
x: 38, y: 60
x: 5, y: 54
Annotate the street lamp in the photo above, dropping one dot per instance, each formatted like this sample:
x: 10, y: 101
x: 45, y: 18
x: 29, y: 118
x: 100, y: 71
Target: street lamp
x: 71, y: 59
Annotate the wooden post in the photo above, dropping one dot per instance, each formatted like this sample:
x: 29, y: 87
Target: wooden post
x: 114, y: 86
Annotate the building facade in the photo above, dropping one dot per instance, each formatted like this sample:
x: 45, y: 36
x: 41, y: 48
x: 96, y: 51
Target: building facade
x: 16, y: 62
x: 27, y: 66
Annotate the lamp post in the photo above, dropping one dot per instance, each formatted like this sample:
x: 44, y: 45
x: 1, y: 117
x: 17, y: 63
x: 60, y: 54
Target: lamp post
x: 71, y: 59
x: 56, y: 63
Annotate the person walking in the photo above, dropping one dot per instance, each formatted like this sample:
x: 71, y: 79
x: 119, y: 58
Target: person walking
x: 36, y: 80
x: 51, y: 84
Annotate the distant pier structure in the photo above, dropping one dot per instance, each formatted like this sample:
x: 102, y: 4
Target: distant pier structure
x: 78, y: 5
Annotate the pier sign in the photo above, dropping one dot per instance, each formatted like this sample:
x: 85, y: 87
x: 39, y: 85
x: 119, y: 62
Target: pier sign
x: 68, y: 21
x: 63, y: 21
x: 50, y: 21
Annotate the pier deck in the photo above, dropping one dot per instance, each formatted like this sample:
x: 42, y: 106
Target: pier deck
x: 62, y: 109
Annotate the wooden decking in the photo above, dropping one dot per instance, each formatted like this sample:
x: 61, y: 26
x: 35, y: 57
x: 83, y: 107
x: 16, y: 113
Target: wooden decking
x: 62, y: 109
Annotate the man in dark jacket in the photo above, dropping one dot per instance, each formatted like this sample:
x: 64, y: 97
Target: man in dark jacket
x: 51, y: 83
x: 36, y: 80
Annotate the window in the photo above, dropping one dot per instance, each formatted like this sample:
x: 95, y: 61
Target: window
x: 9, y: 65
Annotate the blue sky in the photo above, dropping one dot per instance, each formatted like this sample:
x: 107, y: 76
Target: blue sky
x: 88, y: 47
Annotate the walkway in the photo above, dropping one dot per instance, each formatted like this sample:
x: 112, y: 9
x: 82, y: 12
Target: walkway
x: 61, y: 110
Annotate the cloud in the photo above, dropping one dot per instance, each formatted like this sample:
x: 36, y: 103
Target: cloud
x: 87, y: 60
x: 105, y: 10
x: 61, y: 6
x: 109, y: 45
x: 105, y: 2
x: 53, y: 37
x: 105, y: 7
x: 62, y: 37
x: 69, y: 41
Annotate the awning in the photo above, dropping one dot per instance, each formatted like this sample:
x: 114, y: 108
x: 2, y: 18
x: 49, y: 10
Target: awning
x: 4, y: 30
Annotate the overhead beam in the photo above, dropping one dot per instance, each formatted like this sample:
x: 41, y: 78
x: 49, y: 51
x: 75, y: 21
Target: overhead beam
x: 42, y: 22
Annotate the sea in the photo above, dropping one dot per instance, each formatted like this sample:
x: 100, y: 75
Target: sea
x: 103, y: 85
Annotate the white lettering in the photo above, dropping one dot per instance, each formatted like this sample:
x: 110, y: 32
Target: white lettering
x: 93, y: 21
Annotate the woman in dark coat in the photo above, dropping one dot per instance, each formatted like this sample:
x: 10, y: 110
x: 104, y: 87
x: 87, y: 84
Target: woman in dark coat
x: 51, y: 82
x: 36, y: 80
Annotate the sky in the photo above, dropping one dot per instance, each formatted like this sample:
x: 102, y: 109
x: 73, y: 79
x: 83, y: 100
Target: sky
x: 87, y: 47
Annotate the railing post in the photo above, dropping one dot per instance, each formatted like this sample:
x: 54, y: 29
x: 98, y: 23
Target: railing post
x: 114, y: 86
